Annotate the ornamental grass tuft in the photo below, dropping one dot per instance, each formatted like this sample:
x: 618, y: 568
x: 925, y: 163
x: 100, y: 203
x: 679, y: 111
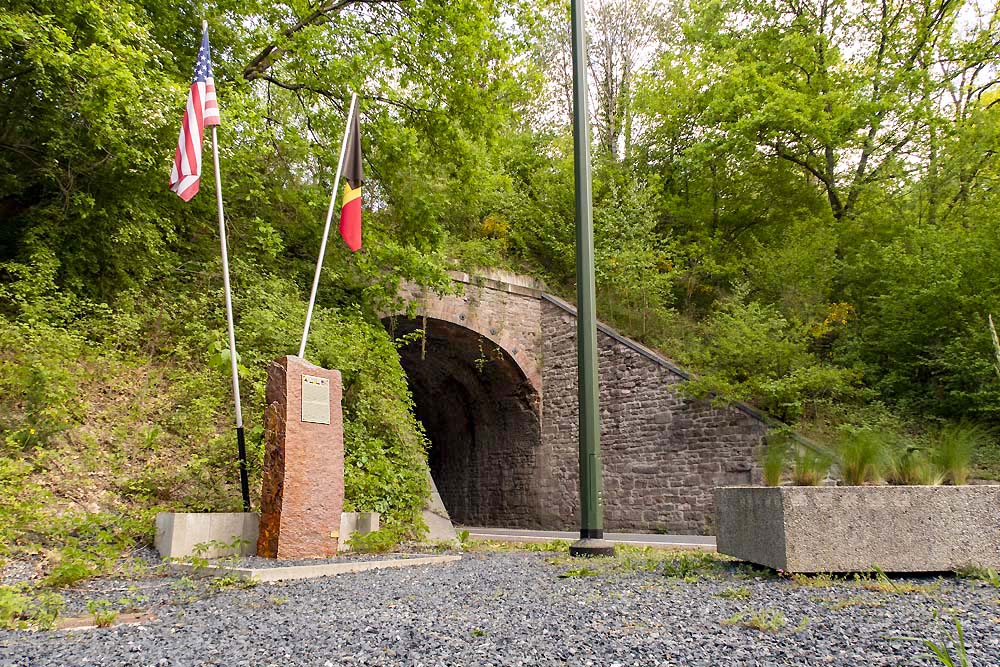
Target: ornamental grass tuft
x: 774, y: 458
x: 810, y: 466
x: 911, y: 466
x: 864, y: 457
x: 953, y: 449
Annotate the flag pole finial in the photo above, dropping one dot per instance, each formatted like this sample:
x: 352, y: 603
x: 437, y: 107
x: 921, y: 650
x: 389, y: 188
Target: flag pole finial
x: 204, y: 25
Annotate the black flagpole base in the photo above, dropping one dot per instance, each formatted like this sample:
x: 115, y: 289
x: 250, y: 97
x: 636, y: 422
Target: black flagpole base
x: 591, y: 544
x: 244, y: 479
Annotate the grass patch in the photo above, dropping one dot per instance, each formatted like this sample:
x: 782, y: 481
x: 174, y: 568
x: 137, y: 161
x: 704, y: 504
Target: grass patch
x: 578, y: 572
x: 765, y: 620
x: 473, y: 545
x: 881, y: 583
x: 734, y: 593
x: 688, y: 566
x: 821, y: 580
x: 985, y: 574
x: 838, y: 604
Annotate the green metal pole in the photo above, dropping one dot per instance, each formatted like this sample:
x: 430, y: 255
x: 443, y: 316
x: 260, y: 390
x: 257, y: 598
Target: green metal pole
x: 591, y: 541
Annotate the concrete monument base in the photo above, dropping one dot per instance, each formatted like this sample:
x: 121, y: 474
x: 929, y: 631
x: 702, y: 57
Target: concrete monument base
x: 202, y: 534
x: 303, y: 486
x: 858, y: 528
x: 206, y: 535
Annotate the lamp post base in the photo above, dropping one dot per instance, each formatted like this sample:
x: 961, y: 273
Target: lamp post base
x: 590, y: 547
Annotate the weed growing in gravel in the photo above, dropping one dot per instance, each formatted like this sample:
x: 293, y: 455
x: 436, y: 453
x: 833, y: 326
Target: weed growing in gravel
x: 950, y: 653
x: 22, y: 607
x: 835, y: 604
x: 497, y: 546
x: 748, y: 571
x: 822, y: 580
x: 803, y: 624
x: 578, y: 572
x: 741, y: 593
x: 103, y: 612
x: 233, y: 581
x: 689, y: 567
x: 988, y: 574
x: 476, y: 632
x: 765, y: 620
x: 881, y: 583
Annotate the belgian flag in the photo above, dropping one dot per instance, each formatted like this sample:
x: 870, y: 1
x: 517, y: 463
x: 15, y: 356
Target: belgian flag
x: 354, y: 173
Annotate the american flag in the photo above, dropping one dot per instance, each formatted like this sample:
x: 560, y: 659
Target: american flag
x: 202, y: 110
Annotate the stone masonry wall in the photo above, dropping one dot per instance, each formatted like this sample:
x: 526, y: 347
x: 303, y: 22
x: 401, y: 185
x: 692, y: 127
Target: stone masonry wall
x: 662, y: 453
x: 506, y: 313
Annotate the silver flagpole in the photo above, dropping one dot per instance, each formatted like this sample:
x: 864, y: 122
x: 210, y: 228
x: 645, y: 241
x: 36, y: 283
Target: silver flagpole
x: 240, y: 439
x: 326, y: 229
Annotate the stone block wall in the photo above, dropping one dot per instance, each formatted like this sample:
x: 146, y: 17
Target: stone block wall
x: 662, y: 452
x: 495, y: 387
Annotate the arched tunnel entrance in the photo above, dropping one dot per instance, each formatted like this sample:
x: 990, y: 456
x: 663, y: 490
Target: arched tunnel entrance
x: 481, y: 415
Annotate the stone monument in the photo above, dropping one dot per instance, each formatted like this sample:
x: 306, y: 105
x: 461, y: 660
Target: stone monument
x: 303, y: 488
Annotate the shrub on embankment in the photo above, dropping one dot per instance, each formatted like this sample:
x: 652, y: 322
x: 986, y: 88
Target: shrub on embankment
x: 112, y: 412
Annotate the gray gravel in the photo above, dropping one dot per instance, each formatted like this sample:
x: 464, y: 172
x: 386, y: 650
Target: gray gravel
x: 259, y: 563
x: 513, y: 609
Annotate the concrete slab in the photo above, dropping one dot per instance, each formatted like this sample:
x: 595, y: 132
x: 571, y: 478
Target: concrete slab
x: 435, y: 515
x: 181, y: 534
x: 206, y: 534
x: 292, y: 572
x: 355, y: 522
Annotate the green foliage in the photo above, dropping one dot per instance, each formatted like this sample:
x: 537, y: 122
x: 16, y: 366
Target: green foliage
x: 911, y: 465
x: 376, y: 542
x: 734, y: 593
x: 809, y: 230
x: 988, y: 574
x: 688, y: 566
x: 954, y: 446
x: 23, y: 608
x: 103, y: 612
x: 775, y: 458
x: 582, y: 571
x: 765, y: 620
x: 864, y: 456
x: 810, y: 466
x: 233, y: 582
x: 948, y: 653
x: 753, y: 351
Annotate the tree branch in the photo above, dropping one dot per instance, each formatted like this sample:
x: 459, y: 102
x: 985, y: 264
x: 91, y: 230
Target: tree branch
x: 263, y: 60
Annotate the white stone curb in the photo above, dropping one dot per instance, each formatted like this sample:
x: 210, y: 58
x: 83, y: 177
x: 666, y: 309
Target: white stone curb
x: 291, y: 572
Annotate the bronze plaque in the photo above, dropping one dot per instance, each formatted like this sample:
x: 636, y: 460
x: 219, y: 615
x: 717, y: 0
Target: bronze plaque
x: 315, y: 399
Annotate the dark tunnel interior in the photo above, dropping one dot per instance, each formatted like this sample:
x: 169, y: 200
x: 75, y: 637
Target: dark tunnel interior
x: 481, y: 416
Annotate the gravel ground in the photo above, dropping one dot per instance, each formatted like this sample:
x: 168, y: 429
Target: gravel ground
x: 514, y: 609
x: 257, y: 562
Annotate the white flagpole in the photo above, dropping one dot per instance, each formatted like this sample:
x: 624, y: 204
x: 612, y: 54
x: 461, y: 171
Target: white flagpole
x: 326, y: 229
x: 241, y: 442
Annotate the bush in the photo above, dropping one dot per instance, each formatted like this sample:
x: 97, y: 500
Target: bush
x: 749, y: 351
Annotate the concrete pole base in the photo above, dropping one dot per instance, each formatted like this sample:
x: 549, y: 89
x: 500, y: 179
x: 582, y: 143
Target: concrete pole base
x: 591, y: 547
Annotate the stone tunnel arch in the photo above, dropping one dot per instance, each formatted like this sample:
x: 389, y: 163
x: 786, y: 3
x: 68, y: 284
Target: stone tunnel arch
x: 482, y: 414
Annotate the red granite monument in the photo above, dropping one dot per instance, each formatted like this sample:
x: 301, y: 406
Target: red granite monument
x: 303, y: 488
